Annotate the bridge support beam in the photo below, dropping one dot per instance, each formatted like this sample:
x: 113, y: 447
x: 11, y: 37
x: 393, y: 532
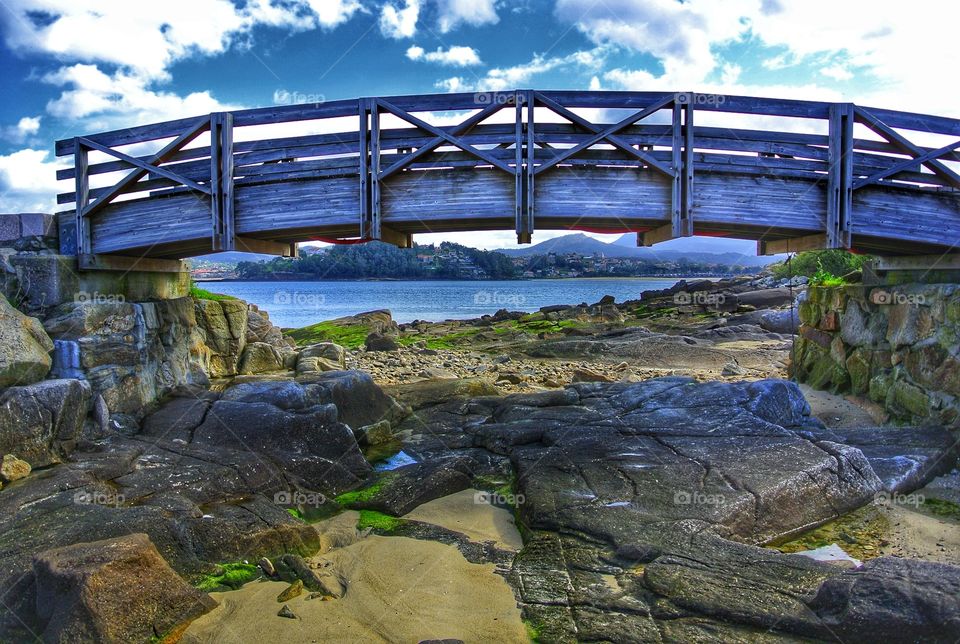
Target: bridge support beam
x: 265, y: 247
x: 123, y: 263
x: 396, y: 237
x: 791, y: 245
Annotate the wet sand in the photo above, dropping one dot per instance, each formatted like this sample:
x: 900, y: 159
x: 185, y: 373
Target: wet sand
x: 397, y: 589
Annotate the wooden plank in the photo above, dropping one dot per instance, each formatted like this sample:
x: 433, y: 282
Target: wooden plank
x: 792, y: 245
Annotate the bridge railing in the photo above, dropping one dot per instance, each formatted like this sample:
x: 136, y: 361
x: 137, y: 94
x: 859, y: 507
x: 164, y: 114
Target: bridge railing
x: 524, y: 133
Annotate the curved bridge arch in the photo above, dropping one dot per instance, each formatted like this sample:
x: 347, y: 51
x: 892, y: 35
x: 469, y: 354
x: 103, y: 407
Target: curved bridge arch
x: 827, y: 175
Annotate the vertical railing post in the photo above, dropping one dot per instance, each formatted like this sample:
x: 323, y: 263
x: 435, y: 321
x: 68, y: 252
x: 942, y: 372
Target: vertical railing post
x: 223, y: 221
x: 676, y: 163
x: 375, y: 212
x: 226, y: 182
x: 82, y: 187
x: 363, y: 148
x: 526, y: 236
x: 686, y: 214
x: 216, y: 204
x: 519, y: 174
x: 840, y: 176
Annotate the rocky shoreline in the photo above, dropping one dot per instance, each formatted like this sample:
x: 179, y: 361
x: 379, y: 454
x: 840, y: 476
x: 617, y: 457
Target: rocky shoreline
x: 602, y: 472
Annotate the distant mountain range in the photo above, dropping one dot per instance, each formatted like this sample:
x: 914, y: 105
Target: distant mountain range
x: 713, y: 250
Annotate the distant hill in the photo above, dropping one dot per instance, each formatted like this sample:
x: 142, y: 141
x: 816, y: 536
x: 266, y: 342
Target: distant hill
x: 693, y: 249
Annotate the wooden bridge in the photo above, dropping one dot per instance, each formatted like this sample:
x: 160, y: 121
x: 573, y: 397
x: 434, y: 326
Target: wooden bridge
x: 793, y: 175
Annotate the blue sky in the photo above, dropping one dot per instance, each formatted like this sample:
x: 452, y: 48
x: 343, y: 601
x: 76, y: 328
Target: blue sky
x: 77, y: 66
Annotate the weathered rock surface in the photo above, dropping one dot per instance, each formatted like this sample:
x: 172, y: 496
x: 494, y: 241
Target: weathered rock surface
x: 111, y: 591
x: 209, y: 479
x: 42, y: 422
x: 132, y: 353
x: 223, y: 327
x: 260, y: 357
x: 24, y: 347
x: 645, y: 504
x: 320, y: 357
x: 13, y: 469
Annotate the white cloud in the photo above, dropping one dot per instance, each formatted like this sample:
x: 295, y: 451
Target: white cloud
x: 679, y: 34
x: 104, y: 101
x: 506, y: 78
x: 126, y: 34
x: 456, y: 56
x: 28, y: 181
x: 887, y: 46
x: 397, y: 22
x: 837, y: 72
x: 25, y: 128
x: 453, y: 13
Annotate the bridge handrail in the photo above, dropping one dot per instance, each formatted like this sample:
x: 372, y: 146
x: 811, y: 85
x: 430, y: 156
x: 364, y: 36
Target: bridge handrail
x: 463, y: 101
x: 525, y: 148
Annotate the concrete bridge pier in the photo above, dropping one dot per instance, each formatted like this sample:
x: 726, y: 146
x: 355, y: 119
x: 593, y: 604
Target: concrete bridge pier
x: 35, y: 272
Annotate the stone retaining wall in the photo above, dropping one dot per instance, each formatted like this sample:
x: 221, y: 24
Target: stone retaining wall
x: 898, y: 345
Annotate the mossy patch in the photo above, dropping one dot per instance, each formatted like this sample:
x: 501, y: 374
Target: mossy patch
x: 346, y: 335
x: 533, y: 630
x: 296, y: 514
x: 860, y: 533
x: 377, y: 521
x: 231, y: 576
x: 203, y: 294
x: 942, y: 508
x: 364, y: 494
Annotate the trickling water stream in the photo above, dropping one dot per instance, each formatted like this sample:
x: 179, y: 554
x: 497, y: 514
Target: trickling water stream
x: 66, y: 359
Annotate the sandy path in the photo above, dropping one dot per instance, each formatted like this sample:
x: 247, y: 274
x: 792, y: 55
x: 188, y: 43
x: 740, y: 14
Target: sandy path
x: 397, y: 589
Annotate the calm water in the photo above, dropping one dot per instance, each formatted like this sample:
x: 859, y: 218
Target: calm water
x: 296, y: 304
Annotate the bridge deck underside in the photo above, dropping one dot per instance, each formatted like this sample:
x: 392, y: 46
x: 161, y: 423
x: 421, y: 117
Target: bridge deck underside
x: 611, y: 199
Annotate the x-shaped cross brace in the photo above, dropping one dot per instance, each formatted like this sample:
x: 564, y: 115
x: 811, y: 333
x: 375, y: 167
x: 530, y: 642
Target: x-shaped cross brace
x: 605, y: 134
x: 442, y: 137
x: 919, y: 156
x: 143, y: 167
